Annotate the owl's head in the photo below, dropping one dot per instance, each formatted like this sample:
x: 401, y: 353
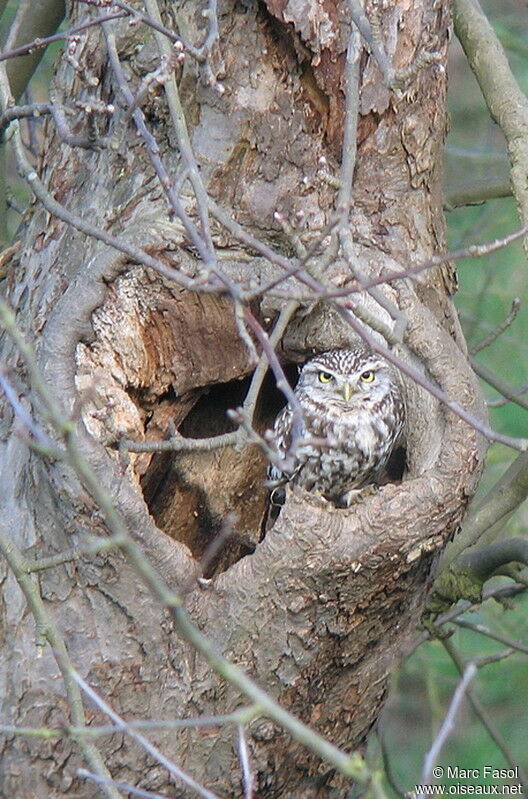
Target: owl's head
x: 352, y: 376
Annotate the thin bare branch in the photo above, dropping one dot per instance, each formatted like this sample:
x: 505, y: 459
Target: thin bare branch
x: 506, y: 102
x: 203, y: 247
x: 32, y: 19
x: 47, y: 630
x: 120, y: 786
x: 483, y: 630
x: 448, y: 724
x: 505, y: 496
x: 499, y: 329
x: 514, y: 397
x: 243, y: 715
x: 181, y: 444
x: 23, y: 414
x: 248, y: 780
x: 471, y: 251
x: 178, y: 774
x: 53, y: 561
x: 482, y: 714
x: 499, y: 385
x: 477, y: 193
x: 487, y: 660
x: 364, y: 26
x: 182, y: 135
x: 519, y: 444
x: 44, y: 41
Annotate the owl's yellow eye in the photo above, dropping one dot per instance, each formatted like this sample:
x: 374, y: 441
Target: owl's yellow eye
x: 368, y: 376
x: 325, y: 377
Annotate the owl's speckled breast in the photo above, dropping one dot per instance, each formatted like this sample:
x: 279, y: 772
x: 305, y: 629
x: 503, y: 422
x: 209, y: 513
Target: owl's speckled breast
x: 353, y: 414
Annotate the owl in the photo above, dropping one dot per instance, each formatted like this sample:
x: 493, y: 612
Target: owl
x: 352, y: 418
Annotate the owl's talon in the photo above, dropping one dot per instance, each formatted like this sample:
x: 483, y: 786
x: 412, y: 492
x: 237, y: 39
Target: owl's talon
x: 316, y: 498
x: 357, y: 495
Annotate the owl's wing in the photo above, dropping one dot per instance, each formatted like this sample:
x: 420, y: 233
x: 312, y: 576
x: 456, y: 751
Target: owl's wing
x: 282, y: 430
x: 289, y: 427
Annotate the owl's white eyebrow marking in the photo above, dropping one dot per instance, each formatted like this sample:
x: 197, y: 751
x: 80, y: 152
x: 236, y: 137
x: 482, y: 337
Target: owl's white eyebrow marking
x: 319, y: 367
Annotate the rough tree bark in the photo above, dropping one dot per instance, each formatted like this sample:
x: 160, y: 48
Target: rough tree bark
x: 319, y: 611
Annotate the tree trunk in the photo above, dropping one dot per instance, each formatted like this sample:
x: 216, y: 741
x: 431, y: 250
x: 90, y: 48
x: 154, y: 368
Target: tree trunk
x: 318, y: 610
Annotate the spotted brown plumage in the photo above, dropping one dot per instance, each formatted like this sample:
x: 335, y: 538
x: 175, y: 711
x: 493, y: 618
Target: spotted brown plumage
x: 352, y: 418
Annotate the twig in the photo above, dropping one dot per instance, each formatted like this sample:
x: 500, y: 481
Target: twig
x: 212, y: 33
x: 49, y: 631
x: 121, y: 786
x: 395, y: 79
x: 514, y: 397
x: 498, y: 593
x: 471, y: 251
x: 52, y: 561
x: 29, y: 110
x: 182, y: 135
x: 157, y: 77
x: 211, y: 551
x: 248, y: 780
x: 280, y: 378
x: 487, y: 660
x: 503, y: 639
x: 89, y: 142
x: 258, y: 246
x: 344, y: 197
x: 447, y: 725
x: 502, y: 499
x: 195, y: 52
x: 327, y: 293
x: 506, y: 102
x: 243, y: 715
x: 364, y: 26
x: 274, y: 339
x: 391, y: 336
x: 349, y: 147
x: 304, y: 264
x: 152, y: 750
x: 204, y: 250
x: 477, y: 193
x: 44, y: 41
x: 519, y: 444
x: 499, y: 385
x: 387, y: 765
x: 497, y: 331
x: 182, y: 444
x: 482, y: 714
x: 23, y: 414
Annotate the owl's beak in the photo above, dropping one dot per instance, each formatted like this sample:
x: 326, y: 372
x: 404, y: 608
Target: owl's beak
x: 347, y: 391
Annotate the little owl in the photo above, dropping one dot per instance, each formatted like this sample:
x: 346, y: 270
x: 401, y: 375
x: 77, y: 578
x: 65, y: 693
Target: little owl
x: 352, y: 418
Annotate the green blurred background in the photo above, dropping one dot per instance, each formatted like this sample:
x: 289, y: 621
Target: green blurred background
x: 424, y: 683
